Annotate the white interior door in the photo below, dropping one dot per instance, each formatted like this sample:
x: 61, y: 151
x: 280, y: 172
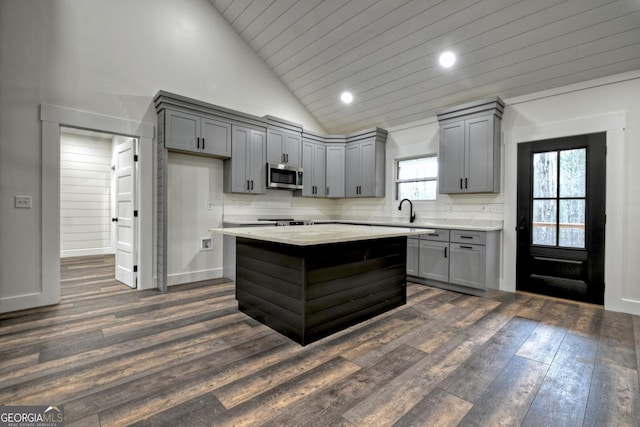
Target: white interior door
x: 126, y: 220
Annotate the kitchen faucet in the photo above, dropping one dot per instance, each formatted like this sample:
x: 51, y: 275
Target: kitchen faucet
x: 412, y: 216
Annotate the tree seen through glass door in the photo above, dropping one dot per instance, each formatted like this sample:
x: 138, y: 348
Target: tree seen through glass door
x: 559, y: 198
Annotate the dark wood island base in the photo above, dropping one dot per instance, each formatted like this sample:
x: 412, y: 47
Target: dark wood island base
x: 309, y: 292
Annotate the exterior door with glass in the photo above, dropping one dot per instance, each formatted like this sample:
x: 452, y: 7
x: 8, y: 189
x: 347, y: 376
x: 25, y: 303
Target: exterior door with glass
x: 561, y: 217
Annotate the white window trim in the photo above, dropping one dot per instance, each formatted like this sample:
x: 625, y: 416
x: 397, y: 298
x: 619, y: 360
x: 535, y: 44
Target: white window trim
x: 397, y: 181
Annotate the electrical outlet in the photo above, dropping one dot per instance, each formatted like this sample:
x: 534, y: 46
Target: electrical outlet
x: 206, y: 243
x: 23, y: 202
x: 210, y: 206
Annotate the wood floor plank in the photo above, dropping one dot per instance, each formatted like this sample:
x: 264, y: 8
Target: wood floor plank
x: 614, y: 399
x: 636, y: 332
x: 588, y: 322
x: 471, y: 379
x: 98, y: 367
x: 392, y: 401
x: 119, y: 356
x: 186, y: 380
x: 562, y: 398
x: 265, y: 407
x: 329, y: 404
x: 617, y: 341
x: 543, y: 343
x: 197, y: 412
x: 438, y: 408
x: 519, y: 380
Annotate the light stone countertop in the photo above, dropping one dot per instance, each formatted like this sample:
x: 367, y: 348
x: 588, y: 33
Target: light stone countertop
x: 448, y: 224
x: 319, y: 234
x: 452, y: 224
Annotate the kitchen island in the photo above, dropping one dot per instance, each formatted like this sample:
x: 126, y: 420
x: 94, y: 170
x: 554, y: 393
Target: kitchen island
x: 308, y: 282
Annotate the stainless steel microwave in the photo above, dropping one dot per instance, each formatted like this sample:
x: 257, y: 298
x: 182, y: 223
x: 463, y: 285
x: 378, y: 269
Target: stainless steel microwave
x: 284, y: 176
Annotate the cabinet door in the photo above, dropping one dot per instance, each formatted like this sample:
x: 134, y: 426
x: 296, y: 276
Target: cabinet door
x: 451, y: 158
x: 257, y: 166
x: 352, y: 170
x: 215, y: 137
x: 434, y: 260
x: 368, y: 169
x: 240, y: 182
x: 293, y: 149
x: 319, y: 169
x: 182, y: 130
x: 468, y: 265
x: 335, y: 176
x: 479, y: 160
x: 275, y: 146
x: 413, y: 262
x: 308, y: 163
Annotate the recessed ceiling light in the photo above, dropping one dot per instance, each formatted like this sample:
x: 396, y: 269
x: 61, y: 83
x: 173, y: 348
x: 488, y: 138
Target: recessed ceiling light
x: 346, y: 97
x: 447, y: 59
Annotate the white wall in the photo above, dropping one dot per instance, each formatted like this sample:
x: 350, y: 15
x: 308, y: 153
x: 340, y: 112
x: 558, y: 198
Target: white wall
x: 110, y: 58
x: 85, y: 195
x: 608, y: 104
x: 575, y: 109
x: 419, y: 139
x: 194, y: 206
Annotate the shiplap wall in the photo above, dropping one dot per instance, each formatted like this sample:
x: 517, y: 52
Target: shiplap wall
x: 85, y: 195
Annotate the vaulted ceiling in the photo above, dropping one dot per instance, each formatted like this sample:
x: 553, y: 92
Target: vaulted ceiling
x: 386, y: 51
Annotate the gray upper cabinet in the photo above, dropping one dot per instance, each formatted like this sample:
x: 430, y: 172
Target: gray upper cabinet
x: 284, y: 147
x: 246, y: 172
x: 469, y: 157
x: 335, y: 170
x: 314, y: 165
x: 364, y: 169
x: 197, y: 134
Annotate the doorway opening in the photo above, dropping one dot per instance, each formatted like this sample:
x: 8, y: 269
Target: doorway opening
x: 98, y: 213
x: 561, y: 217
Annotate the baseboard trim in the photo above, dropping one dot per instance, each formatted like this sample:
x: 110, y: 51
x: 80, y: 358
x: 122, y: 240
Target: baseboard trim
x: 193, y: 276
x: 86, y: 252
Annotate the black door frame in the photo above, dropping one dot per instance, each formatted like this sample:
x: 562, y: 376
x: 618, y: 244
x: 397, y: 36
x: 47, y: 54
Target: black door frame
x: 596, y: 208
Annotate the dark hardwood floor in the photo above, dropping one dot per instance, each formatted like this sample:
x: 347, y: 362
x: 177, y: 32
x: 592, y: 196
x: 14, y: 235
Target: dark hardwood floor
x: 114, y: 356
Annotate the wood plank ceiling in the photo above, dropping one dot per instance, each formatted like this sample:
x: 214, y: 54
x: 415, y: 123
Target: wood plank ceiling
x: 386, y: 52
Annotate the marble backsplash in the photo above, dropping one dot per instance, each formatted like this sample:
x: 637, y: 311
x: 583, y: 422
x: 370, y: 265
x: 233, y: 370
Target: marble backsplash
x: 485, y: 210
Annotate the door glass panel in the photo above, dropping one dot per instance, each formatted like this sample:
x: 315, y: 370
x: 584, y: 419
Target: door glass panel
x: 544, y: 222
x: 545, y: 175
x: 573, y: 173
x: 572, y: 220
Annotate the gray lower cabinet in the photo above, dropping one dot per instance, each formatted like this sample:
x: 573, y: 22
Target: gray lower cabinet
x: 335, y: 171
x: 413, y: 262
x: 467, y: 265
x: 314, y: 165
x: 284, y: 147
x: 364, y: 166
x: 245, y: 171
x: 457, y: 257
x: 197, y: 134
x: 434, y: 260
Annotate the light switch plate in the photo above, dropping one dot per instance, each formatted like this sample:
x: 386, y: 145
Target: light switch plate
x: 23, y: 202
